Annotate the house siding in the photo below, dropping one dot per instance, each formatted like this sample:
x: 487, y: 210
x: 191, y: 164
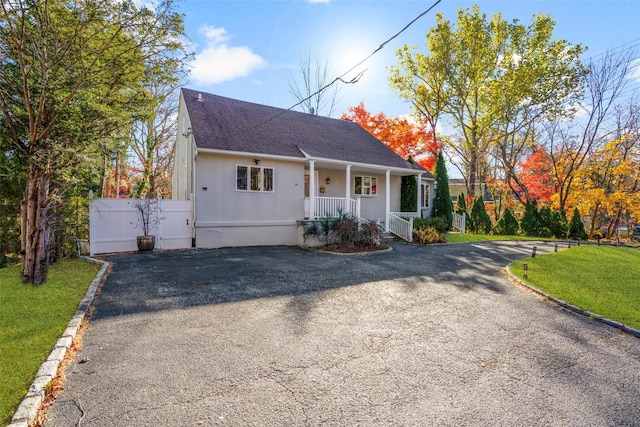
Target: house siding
x: 371, y: 207
x: 184, y: 155
x: 227, y: 217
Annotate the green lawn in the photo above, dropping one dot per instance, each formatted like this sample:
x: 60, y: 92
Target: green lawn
x: 604, y: 280
x: 32, y: 319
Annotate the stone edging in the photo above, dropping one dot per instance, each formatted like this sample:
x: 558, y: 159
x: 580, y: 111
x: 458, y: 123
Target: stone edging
x: 365, y: 253
x: 28, y: 409
x: 574, y: 308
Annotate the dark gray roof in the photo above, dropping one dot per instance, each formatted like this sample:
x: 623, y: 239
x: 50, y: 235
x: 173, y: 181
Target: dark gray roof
x: 228, y: 124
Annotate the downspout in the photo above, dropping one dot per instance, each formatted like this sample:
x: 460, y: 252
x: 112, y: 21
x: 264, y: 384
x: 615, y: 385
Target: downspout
x: 194, y: 152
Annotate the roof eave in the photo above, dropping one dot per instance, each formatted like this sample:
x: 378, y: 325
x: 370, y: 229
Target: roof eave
x: 250, y: 154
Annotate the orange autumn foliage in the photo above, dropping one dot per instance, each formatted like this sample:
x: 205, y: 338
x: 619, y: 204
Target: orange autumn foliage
x: 536, y: 175
x: 406, y: 139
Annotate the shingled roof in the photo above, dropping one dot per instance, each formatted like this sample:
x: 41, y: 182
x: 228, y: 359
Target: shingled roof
x: 228, y: 124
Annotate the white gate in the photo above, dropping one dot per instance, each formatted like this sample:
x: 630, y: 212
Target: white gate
x: 460, y: 222
x: 113, y: 225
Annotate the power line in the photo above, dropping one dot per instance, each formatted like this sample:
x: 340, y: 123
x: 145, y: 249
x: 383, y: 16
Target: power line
x: 342, y: 77
x: 616, y: 49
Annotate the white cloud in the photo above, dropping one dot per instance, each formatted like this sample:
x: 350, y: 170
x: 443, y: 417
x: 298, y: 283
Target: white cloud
x: 218, y: 62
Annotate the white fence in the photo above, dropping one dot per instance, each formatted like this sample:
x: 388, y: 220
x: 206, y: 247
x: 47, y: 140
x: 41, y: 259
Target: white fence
x: 459, y: 222
x: 113, y: 225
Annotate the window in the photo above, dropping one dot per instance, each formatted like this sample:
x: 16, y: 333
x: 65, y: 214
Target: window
x: 365, y: 185
x: 424, y: 191
x: 241, y: 177
x: 254, y: 178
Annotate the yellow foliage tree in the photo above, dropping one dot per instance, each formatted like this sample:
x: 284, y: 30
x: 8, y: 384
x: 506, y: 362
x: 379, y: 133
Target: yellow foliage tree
x: 609, y: 187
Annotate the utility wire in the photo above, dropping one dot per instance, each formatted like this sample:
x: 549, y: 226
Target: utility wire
x: 342, y: 77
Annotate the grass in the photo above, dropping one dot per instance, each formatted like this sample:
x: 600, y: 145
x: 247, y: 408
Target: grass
x: 466, y: 238
x: 32, y: 319
x: 599, y: 279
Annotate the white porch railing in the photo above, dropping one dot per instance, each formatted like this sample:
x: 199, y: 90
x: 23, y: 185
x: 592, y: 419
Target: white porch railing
x: 400, y: 226
x: 460, y: 221
x: 407, y: 214
x: 332, y: 207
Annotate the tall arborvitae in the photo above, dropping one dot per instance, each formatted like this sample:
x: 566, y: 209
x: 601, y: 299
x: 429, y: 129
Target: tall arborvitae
x: 442, y: 206
x: 479, y: 221
x: 461, y: 204
x: 576, y: 226
x: 408, y: 194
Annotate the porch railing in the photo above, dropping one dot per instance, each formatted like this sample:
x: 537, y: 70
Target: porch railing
x: 400, y: 226
x: 332, y: 207
x: 460, y: 222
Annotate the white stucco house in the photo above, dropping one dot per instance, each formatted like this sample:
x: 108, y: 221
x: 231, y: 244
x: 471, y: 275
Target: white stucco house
x: 254, y: 173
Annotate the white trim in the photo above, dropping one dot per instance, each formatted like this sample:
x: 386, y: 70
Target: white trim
x: 306, y: 159
x: 262, y: 168
x: 387, y: 206
x: 362, y: 186
x: 366, y: 165
x: 312, y: 189
x: 203, y: 224
x: 419, y: 202
x: 252, y: 155
x: 347, y: 190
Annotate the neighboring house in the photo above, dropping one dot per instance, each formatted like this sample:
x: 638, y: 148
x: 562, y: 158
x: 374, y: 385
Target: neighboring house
x: 458, y: 185
x: 255, y: 172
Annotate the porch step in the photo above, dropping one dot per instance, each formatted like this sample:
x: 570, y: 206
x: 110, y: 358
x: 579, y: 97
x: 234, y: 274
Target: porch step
x: 388, y: 236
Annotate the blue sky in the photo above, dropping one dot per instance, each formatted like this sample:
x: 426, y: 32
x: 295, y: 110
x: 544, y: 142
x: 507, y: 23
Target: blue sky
x: 248, y: 50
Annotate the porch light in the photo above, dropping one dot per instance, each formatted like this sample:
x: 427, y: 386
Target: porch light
x: 256, y: 161
x: 328, y: 181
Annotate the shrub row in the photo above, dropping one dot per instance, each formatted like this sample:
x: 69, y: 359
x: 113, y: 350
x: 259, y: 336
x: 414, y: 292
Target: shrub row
x: 344, y: 230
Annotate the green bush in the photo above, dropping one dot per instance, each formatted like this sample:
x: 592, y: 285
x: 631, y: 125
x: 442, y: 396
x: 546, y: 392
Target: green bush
x: 442, y: 205
x: 479, y: 221
x: 426, y: 236
x: 345, y: 230
x: 576, y: 226
x: 408, y: 193
x: 508, y: 225
x: 559, y: 224
x: 322, y: 229
x: 438, y: 223
x: 530, y: 224
x: 461, y: 206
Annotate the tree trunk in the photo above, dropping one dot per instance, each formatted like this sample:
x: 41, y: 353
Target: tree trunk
x: 35, y: 224
x: 473, y: 171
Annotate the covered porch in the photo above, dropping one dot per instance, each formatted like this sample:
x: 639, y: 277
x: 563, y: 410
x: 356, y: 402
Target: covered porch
x: 363, y: 191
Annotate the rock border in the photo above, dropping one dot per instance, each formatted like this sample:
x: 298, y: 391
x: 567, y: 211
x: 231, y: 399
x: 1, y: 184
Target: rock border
x: 363, y: 253
x: 573, y: 308
x: 27, y: 411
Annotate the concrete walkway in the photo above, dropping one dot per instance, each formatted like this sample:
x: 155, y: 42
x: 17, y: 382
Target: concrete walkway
x: 279, y: 336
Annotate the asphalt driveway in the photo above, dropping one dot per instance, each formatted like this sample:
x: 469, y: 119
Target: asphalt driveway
x: 280, y: 336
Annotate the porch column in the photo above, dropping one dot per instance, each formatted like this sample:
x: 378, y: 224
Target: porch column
x: 387, y: 208
x: 419, y: 207
x: 347, y: 190
x: 431, y: 196
x: 312, y: 189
